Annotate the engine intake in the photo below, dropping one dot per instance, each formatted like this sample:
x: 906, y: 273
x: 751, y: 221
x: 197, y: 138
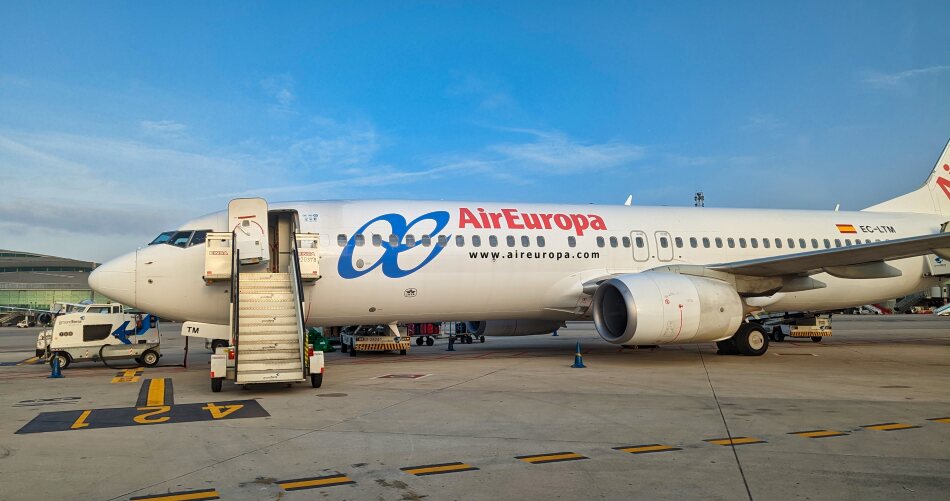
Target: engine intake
x: 665, y: 308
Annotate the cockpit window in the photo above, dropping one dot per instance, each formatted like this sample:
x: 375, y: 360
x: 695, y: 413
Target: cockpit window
x: 163, y: 238
x: 181, y: 238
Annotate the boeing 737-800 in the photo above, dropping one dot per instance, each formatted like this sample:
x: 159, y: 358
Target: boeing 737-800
x: 645, y: 275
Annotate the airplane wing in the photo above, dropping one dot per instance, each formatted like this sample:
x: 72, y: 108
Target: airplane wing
x: 855, y: 261
x: 29, y: 310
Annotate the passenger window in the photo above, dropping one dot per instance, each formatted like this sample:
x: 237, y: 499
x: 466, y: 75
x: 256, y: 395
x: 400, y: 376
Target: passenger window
x: 341, y: 240
x: 476, y: 241
x: 732, y: 242
x: 540, y: 241
x: 640, y: 242
x: 525, y: 241
x: 600, y: 241
x: 766, y: 243
x: 718, y: 243
x: 377, y: 240
x: 664, y: 242
x: 847, y: 241
x: 181, y: 239
x: 571, y: 242
x: 510, y: 240
x: 393, y: 240
x: 613, y: 241
x: 827, y: 243
x: 426, y: 240
x: 410, y: 241
x: 742, y: 243
x: 814, y: 243
x: 493, y: 241
x: 754, y: 242
x: 198, y: 238
x: 837, y: 242
x: 706, y: 242
x: 693, y: 243
x: 791, y: 243
x: 359, y: 239
x: 459, y: 241
x: 626, y: 241
x: 778, y: 243
x: 443, y: 241
x: 679, y: 242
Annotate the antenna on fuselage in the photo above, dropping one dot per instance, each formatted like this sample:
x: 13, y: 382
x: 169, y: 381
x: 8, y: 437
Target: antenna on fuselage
x: 699, y: 200
x: 837, y: 206
x: 629, y: 200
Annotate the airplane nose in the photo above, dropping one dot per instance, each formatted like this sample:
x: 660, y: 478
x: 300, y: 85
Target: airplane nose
x: 115, y: 279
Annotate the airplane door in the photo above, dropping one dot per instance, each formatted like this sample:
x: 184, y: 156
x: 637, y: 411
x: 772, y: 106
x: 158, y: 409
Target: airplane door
x: 641, y: 246
x: 664, y: 246
x: 247, y: 218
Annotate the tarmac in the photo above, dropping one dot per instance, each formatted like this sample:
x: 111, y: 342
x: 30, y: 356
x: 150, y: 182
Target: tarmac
x: 863, y: 415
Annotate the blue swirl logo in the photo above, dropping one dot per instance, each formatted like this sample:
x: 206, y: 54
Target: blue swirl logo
x: 389, y: 261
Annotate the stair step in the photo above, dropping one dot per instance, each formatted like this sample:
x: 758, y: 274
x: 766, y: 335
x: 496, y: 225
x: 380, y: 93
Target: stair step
x: 268, y: 345
x: 268, y: 365
x: 265, y: 276
x: 250, y: 330
x: 249, y: 320
x: 273, y: 355
x: 266, y: 297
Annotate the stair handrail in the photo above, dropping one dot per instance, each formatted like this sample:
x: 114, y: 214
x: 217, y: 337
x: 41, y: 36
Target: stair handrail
x: 235, y: 297
x: 299, y: 299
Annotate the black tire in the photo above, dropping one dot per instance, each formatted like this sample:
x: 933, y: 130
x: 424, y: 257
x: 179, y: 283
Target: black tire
x: 353, y: 349
x: 216, y: 384
x: 430, y: 341
x: 816, y: 339
x: 64, y: 359
x: 420, y: 341
x: 316, y: 380
x: 218, y: 343
x: 751, y: 340
x: 402, y: 352
x: 727, y: 347
x: 481, y: 339
x: 343, y: 348
x: 149, y: 358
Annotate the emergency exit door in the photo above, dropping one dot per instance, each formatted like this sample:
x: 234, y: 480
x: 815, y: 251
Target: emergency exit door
x: 641, y: 246
x: 664, y: 246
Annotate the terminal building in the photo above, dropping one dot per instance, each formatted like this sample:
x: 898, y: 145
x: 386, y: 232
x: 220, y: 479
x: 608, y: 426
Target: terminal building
x: 30, y: 280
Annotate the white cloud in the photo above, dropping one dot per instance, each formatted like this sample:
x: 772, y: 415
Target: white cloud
x: 884, y: 80
x: 165, y: 128
x: 281, y: 89
x: 556, y: 153
x: 490, y: 92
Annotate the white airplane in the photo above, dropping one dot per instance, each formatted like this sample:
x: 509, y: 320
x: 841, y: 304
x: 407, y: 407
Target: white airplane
x: 646, y: 275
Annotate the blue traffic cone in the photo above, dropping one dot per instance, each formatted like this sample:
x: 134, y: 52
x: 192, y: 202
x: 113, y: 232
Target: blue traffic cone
x: 554, y: 333
x: 57, y: 373
x: 578, y: 359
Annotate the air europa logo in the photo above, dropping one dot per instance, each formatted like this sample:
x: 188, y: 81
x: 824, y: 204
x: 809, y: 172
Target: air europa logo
x: 514, y: 220
x: 389, y: 261
x: 944, y: 182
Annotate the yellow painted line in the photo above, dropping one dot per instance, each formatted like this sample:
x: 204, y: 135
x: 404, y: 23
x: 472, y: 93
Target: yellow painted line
x: 643, y: 449
x: 819, y: 433
x: 81, y: 421
x: 889, y: 426
x: 156, y: 392
x: 940, y: 419
x: 181, y: 496
x: 735, y: 441
x: 127, y: 376
x: 29, y: 361
x: 551, y: 458
x: 434, y: 469
x: 312, y: 483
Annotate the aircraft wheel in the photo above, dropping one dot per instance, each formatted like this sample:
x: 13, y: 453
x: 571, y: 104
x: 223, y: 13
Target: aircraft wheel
x: 63, y: 357
x: 430, y: 341
x: 402, y: 352
x: 218, y: 343
x: 316, y: 380
x: 727, y: 347
x: 420, y: 341
x: 149, y: 358
x: 751, y: 340
x: 216, y: 384
x: 481, y: 338
x: 816, y: 339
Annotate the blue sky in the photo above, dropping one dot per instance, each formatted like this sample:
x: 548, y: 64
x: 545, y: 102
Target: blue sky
x: 118, y: 120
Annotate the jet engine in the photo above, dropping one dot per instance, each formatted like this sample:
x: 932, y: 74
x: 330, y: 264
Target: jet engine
x: 512, y: 327
x: 665, y: 308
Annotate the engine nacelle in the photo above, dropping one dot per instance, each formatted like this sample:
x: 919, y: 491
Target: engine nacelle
x: 665, y: 308
x: 512, y: 327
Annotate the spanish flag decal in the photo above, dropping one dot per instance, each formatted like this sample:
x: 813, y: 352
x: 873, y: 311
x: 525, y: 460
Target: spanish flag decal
x: 846, y: 228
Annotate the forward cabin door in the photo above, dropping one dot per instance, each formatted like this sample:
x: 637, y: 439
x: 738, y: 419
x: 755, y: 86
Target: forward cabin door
x: 664, y: 246
x: 247, y: 218
x: 641, y: 246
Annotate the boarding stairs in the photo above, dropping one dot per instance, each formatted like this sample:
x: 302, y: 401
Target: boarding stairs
x: 270, y: 342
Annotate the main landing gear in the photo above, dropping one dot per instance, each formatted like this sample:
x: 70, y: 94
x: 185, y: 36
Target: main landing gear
x: 750, y: 340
